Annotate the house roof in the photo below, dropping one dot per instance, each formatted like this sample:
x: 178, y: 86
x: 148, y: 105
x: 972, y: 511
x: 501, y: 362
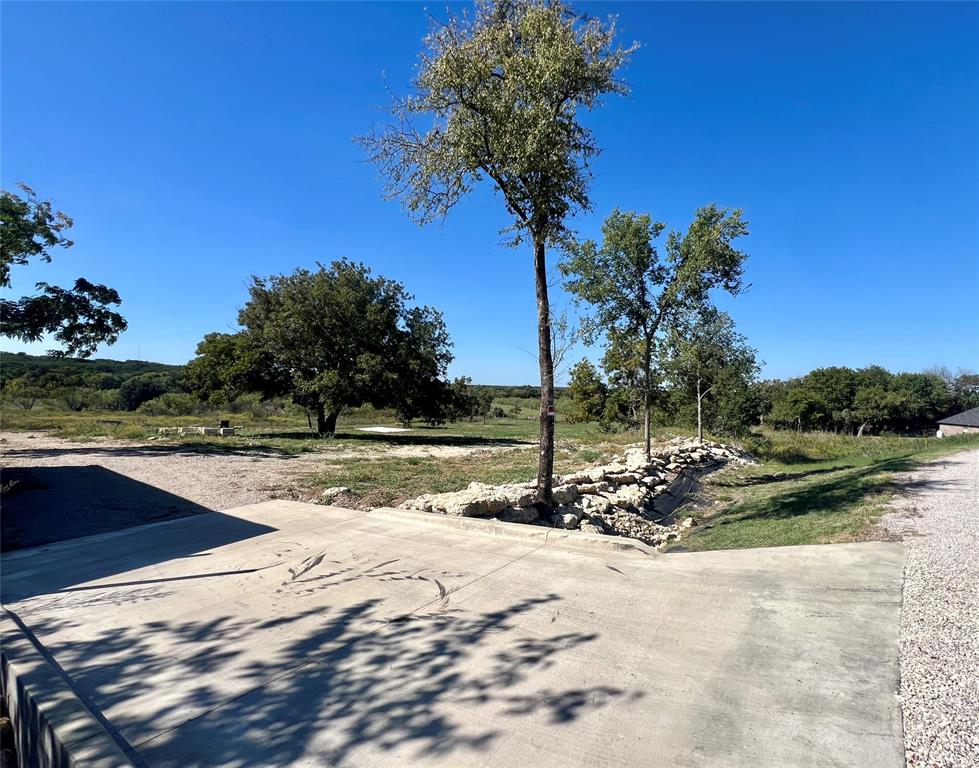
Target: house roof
x: 969, y: 418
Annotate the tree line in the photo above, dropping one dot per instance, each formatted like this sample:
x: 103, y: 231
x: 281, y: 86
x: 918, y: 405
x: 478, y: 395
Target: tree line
x: 731, y: 400
x: 866, y: 400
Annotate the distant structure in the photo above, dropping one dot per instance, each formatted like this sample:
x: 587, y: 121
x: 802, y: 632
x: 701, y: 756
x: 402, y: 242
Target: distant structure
x: 967, y: 421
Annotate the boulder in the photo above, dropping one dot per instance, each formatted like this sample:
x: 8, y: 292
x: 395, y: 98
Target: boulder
x: 422, y: 504
x: 629, y: 496
x: 568, y: 516
x: 471, y: 503
x: 595, y: 504
x: 516, y: 494
x: 581, y: 477
x: 331, y: 493
x: 565, y: 494
x: 517, y: 515
x: 625, y: 478
x: 593, y: 488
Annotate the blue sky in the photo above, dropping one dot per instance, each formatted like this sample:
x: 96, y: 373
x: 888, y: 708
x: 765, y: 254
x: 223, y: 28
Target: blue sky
x: 197, y: 144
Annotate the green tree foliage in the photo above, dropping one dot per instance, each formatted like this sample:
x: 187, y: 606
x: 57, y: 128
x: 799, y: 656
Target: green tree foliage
x: 867, y: 400
x: 146, y: 386
x: 330, y: 339
x: 22, y: 392
x: 80, y: 317
x: 634, y: 292
x: 500, y: 92
x: 468, y: 402
x: 708, y: 363
x: 588, y: 394
x: 171, y: 404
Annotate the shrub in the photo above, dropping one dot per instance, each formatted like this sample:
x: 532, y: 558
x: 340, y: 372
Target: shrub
x: 171, y: 404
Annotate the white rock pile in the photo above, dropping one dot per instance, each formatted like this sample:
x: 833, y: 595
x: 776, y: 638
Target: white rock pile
x: 615, y: 499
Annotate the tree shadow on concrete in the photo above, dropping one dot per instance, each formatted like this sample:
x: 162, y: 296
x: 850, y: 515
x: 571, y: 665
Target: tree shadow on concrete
x: 431, y: 684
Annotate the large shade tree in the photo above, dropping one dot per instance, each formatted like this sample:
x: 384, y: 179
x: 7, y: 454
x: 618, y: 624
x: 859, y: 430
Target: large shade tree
x: 330, y: 339
x: 498, y: 97
x: 634, y: 291
x: 79, y: 318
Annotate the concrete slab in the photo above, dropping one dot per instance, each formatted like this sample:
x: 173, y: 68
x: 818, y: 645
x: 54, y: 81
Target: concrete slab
x: 294, y: 634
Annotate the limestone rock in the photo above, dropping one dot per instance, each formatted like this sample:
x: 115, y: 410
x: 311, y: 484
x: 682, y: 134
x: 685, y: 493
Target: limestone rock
x: 565, y: 494
x: 331, y: 493
x: 595, y: 504
x: 625, y: 478
x: 593, y: 488
x: 516, y: 494
x: 629, y: 496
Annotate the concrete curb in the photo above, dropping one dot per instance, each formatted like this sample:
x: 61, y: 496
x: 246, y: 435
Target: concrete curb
x: 553, y: 538
x: 52, y: 726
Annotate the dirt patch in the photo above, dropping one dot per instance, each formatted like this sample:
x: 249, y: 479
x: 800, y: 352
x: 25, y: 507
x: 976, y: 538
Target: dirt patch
x: 201, y: 474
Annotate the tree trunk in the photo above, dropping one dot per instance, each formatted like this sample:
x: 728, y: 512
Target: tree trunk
x: 700, y: 418
x: 860, y: 431
x: 647, y: 400
x: 545, y: 462
x: 326, y: 423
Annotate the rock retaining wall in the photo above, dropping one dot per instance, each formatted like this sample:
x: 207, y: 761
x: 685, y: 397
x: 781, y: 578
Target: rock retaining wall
x: 616, y: 498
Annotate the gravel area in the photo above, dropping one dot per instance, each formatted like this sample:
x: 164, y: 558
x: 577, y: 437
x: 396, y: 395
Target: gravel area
x: 937, y: 514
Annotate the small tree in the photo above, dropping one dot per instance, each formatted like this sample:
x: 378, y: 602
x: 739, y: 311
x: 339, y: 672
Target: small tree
x: 22, y: 392
x: 501, y: 91
x: 874, y: 406
x: 588, y: 393
x: 79, y: 317
x: 705, y: 354
x: 331, y: 339
x: 633, y: 291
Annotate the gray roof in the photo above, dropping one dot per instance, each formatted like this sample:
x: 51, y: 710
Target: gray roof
x: 969, y: 418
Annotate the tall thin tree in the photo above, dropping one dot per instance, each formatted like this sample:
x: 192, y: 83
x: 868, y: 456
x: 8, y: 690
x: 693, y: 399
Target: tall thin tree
x: 501, y: 91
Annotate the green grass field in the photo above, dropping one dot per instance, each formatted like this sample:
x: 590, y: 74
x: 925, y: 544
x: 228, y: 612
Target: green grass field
x: 809, y: 488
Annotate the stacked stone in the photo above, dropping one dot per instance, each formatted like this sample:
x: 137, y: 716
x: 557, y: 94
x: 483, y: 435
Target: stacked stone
x: 614, y: 498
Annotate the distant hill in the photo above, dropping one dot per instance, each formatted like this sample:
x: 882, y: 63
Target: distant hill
x: 14, y: 365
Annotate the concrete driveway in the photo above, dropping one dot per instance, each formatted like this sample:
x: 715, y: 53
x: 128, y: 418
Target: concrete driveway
x: 287, y: 634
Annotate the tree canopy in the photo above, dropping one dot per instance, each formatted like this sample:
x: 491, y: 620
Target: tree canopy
x: 332, y: 338
x: 634, y: 292
x: 79, y: 317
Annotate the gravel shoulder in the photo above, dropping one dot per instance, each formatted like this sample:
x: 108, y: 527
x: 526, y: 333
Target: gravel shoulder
x: 937, y: 514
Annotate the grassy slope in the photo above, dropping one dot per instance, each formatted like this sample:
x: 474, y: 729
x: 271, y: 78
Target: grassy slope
x: 812, y: 489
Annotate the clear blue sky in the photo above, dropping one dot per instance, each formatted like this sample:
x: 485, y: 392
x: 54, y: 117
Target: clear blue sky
x: 196, y: 144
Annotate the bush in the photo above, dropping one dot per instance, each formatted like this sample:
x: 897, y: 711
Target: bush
x: 172, y: 404
x: 146, y: 386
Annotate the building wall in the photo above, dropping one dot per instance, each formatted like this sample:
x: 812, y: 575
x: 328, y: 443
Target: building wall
x: 948, y: 430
